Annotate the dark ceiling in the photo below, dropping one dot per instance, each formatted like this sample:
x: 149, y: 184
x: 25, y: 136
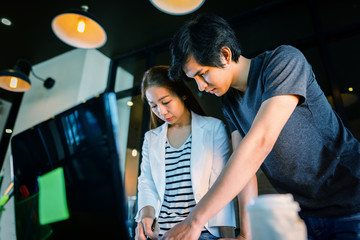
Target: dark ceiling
x: 130, y: 25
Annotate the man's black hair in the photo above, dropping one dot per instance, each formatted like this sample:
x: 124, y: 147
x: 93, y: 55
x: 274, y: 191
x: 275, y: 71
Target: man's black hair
x: 202, y: 38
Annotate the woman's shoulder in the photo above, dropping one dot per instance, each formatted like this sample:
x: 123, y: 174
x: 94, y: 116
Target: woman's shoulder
x: 156, y: 130
x: 209, y: 120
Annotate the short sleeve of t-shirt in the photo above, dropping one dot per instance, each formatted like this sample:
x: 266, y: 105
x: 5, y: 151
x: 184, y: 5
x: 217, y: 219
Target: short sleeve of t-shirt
x: 286, y: 72
x: 229, y: 121
x: 283, y: 71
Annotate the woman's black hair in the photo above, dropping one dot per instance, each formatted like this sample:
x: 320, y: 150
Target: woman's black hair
x: 159, y: 76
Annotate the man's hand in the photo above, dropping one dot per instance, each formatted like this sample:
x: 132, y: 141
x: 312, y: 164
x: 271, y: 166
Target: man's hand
x: 144, y: 229
x: 183, y: 230
x: 240, y: 237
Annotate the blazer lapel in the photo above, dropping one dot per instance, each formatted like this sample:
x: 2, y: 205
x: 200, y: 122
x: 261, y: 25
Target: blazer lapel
x: 157, y: 159
x: 198, y: 153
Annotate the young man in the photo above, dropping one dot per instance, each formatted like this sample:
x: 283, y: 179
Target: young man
x: 280, y: 121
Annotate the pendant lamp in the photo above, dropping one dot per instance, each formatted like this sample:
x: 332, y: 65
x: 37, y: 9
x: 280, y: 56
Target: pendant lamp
x: 17, y: 79
x: 177, y: 7
x: 78, y: 28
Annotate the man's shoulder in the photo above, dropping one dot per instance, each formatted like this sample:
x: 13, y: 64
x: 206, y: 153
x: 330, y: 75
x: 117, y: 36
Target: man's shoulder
x: 286, y: 51
x: 286, y: 48
x: 280, y: 56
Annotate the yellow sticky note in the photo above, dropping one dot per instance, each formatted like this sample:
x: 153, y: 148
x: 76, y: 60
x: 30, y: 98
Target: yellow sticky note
x: 52, y: 197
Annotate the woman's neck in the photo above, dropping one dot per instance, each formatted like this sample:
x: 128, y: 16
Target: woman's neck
x: 179, y: 132
x: 184, y: 121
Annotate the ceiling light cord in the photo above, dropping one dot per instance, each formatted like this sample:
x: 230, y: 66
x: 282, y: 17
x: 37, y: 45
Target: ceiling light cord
x: 48, y: 82
x: 35, y: 75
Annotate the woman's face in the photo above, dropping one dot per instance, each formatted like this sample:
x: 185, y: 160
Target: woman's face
x: 166, y: 105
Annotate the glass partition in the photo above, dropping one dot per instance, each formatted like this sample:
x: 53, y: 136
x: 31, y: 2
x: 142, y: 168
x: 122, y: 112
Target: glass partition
x: 129, y: 72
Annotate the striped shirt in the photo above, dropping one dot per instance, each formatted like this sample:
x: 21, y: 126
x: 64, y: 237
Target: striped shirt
x: 179, y: 198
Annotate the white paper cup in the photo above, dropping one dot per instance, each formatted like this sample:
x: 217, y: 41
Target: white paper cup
x: 275, y: 216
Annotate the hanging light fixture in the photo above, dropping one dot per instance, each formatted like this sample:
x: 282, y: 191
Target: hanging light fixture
x: 17, y: 79
x: 177, y: 7
x: 78, y: 28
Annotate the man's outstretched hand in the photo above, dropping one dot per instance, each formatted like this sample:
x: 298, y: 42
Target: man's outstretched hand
x: 239, y: 237
x: 184, y: 230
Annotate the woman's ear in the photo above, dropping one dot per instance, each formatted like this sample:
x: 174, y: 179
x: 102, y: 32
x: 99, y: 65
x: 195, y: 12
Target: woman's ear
x: 226, y: 53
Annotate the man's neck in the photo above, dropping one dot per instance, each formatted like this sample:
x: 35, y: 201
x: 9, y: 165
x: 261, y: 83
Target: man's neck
x: 241, y: 73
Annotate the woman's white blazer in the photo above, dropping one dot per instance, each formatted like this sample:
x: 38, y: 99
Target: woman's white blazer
x: 210, y: 150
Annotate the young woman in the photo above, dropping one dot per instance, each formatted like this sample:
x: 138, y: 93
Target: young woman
x: 181, y: 159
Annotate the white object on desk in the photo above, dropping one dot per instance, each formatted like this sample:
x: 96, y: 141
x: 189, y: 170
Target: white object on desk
x: 275, y: 217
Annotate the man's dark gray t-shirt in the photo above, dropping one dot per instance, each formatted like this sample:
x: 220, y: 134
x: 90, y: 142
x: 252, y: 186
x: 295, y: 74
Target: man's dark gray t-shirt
x: 315, y: 157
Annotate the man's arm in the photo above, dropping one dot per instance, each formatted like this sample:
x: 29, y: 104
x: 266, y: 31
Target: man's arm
x: 250, y: 191
x: 242, y: 165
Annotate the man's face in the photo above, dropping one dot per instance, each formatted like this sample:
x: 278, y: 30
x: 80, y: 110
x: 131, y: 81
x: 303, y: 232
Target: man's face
x: 214, y: 80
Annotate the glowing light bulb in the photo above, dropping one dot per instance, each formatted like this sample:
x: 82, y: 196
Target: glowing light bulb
x: 81, y: 26
x: 6, y: 21
x: 13, y: 82
x: 350, y: 89
x: 130, y: 103
x: 134, y: 152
